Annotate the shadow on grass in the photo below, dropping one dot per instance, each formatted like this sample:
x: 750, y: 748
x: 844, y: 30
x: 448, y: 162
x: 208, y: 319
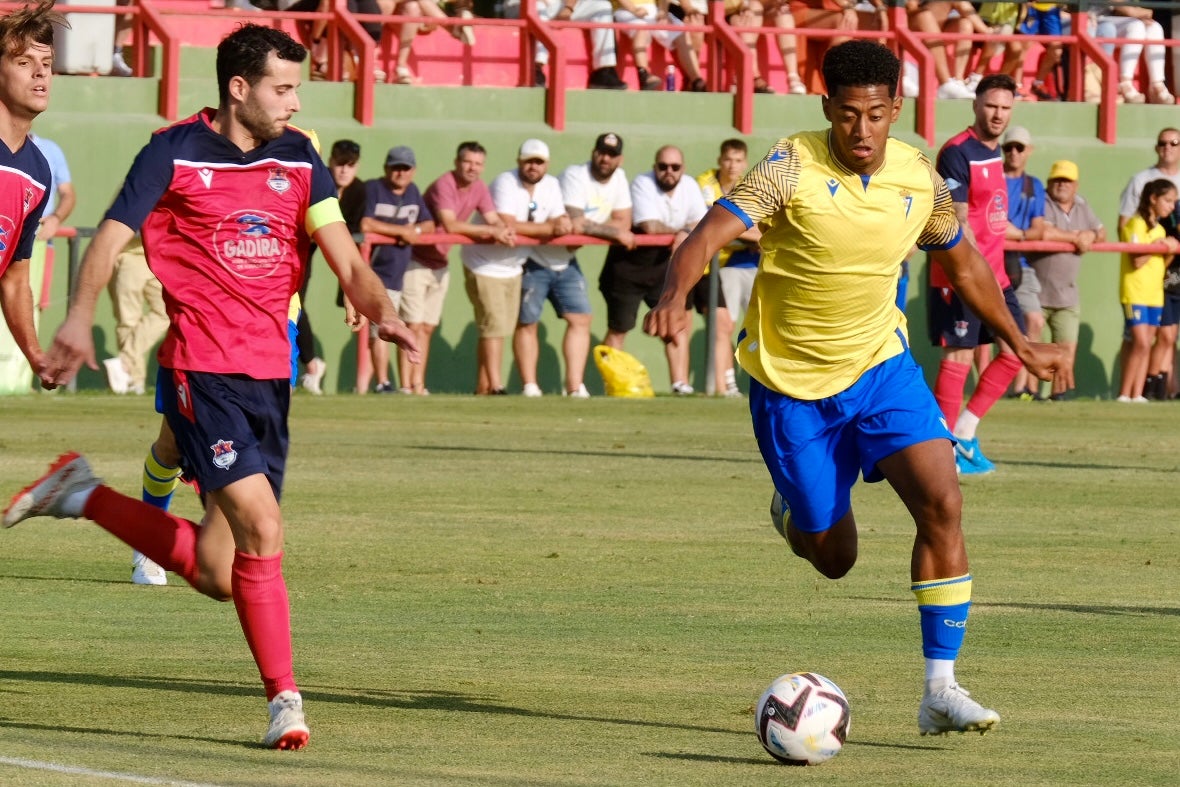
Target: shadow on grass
x: 690, y: 757
x: 751, y: 458
x: 1084, y: 609
x: 451, y: 702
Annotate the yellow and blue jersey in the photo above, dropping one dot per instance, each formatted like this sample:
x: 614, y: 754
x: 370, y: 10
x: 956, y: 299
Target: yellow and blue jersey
x: 823, y: 309
x: 1142, y: 286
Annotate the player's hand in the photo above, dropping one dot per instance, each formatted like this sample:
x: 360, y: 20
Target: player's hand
x: 1043, y: 360
x: 73, y: 345
x: 400, y: 334
x: 667, y: 320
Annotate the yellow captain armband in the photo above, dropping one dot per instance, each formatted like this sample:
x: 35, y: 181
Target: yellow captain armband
x: 321, y: 214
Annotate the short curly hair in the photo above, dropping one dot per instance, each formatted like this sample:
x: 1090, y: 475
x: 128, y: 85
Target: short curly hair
x: 861, y: 63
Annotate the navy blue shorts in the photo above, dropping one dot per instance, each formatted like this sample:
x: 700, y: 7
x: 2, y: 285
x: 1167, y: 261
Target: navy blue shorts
x: 228, y: 427
x: 950, y: 323
x: 814, y: 450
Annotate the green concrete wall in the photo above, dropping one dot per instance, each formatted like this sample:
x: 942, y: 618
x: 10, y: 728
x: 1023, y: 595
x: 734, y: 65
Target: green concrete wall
x: 102, y: 122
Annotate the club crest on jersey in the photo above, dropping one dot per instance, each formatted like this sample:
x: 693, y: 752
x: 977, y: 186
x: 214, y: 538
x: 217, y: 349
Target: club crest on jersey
x: 250, y: 244
x: 907, y: 199
x: 224, y: 454
x: 278, y: 181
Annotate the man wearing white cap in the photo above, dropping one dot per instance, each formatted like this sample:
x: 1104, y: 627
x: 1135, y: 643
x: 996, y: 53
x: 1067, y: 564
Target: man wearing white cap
x: 529, y: 199
x: 1026, y: 212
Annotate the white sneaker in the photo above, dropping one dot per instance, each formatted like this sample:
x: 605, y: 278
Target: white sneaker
x: 53, y: 493
x: 313, y: 378
x: 953, y: 710
x: 732, y: 391
x: 117, y: 377
x: 532, y: 390
x: 953, y: 89
x: 119, y: 67
x: 682, y: 389
x: 288, y: 726
x: 145, y: 571
x: 973, y: 81
x: 580, y: 393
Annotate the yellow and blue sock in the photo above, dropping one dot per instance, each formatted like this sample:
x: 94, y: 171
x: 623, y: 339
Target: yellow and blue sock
x: 943, y: 605
x: 159, y: 481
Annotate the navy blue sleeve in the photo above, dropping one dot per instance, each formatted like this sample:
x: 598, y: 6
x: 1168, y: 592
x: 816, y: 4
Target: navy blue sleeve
x: 147, y: 180
x: 28, y: 230
x: 322, y: 185
x: 955, y: 170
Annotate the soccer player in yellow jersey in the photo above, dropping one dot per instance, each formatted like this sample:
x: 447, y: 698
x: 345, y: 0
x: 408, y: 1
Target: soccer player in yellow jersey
x: 834, y: 391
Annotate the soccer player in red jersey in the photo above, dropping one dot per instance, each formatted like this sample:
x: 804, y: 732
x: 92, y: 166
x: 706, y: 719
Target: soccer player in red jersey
x: 26, y: 70
x: 227, y: 202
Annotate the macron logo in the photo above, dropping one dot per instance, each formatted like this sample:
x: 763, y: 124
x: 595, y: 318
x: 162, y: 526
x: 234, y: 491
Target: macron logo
x: 206, y: 176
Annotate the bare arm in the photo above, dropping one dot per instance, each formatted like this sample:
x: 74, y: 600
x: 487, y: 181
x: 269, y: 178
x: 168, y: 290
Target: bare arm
x: 406, y: 233
x: 362, y: 288
x: 16, y: 298
x: 494, y: 230
x: 617, y: 230
x: 66, y: 200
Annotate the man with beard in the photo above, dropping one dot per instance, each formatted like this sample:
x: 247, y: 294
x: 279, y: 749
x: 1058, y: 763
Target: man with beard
x: 665, y: 203
x: 971, y: 165
x: 227, y: 203
x: 529, y: 199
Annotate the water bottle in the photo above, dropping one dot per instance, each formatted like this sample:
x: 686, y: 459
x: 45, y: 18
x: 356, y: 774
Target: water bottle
x: 670, y: 79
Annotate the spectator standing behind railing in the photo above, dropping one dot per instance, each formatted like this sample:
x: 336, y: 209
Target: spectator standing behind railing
x: 664, y: 203
x: 1068, y: 218
x: 603, y: 57
x: 1141, y: 285
x: 394, y: 208
x: 529, y: 200
x: 640, y: 14
x: 453, y: 199
x: 1026, y: 211
x: 1167, y: 166
x: 1131, y: 20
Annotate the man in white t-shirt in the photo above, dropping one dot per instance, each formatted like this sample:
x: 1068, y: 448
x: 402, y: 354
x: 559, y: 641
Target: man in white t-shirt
x: 529, y: 199
x: 664, y: 202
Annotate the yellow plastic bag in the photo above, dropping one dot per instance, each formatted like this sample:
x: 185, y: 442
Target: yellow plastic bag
x: 622, y: 373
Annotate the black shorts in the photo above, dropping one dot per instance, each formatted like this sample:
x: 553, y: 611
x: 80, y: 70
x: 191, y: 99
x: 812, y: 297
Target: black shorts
x: 950, y: 323
x: 698, y: 298
x: 228, y: 427
x: 629, y: 277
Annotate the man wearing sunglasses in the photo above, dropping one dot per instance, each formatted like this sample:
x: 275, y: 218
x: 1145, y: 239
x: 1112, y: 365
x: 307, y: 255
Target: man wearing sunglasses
x: 664, y: 202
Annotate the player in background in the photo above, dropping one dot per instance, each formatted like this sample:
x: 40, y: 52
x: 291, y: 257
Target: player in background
x: 833, y: 390
x: 228, y: 202
x: 973, y: 168
x: 26, y: 70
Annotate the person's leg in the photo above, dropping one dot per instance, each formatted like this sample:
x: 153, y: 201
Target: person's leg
x: 676, y: 352
x: 525, y: 350
x: 379, y: 352
x: 161, y: 477
x: 1135, y: 363
x: 535, y: 288
x: 575, y: 349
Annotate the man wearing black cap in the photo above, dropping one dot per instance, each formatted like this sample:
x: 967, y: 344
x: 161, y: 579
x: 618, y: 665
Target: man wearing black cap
x: 393, y: 207
x: 597, y: 197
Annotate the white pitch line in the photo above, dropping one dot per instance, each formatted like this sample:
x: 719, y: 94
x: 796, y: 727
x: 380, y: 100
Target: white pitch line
x: 54, y: 767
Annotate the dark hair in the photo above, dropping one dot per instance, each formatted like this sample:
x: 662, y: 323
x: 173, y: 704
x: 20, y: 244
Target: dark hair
x: 1152, y: 190
x: 30, y: 24
x: 469, y: 147
x: 345, y: 151
x: 860, y: 63
x: 996, y: 82
x: 733, y: 144
x: 244, y: 53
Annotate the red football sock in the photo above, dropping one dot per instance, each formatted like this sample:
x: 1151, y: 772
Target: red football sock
x: 995, y: 379
x: 165, y: 538
x: 260, y: 595
x: 948, y: 389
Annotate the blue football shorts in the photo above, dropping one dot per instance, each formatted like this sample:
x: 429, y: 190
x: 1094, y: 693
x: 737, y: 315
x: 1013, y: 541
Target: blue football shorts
x: 228, y: 427
x: 815, y: 449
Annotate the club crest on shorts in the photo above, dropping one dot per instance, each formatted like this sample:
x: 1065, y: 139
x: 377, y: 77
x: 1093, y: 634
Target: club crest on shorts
x: 224, y: 454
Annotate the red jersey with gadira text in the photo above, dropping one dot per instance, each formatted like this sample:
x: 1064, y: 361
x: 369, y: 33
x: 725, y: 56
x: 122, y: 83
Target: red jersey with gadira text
x: 975, y: 175
x: 24, y: 187
x: 226, y: 234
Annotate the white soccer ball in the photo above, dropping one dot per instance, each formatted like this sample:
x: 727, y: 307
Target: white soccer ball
x: 802, y: 719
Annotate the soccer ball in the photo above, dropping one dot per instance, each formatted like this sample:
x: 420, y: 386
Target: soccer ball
x: 802, y: 719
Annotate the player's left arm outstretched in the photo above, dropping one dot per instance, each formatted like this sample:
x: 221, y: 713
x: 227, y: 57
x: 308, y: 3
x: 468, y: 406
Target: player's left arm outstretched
x: 975, y: 283
x: 668, y: 318
x: 362, y: 288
